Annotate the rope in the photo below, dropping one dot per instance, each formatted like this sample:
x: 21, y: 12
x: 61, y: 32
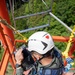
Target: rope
x: 65, y: 53
x: 70, y: 62
x: 11, y: 27
x: 45, y: 3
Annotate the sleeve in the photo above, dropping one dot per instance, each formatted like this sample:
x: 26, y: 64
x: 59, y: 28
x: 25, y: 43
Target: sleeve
x: 19, y: 71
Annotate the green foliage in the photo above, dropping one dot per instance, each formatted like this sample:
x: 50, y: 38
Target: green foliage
x: 1, y: 52
x: 33, y: 6
x: 65, y: 10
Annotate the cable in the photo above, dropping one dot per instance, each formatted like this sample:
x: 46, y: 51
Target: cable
x: 45, y: 3
x: 11, y: 27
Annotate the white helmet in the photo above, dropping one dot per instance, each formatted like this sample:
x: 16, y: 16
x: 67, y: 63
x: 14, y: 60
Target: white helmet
x: 40, y: 42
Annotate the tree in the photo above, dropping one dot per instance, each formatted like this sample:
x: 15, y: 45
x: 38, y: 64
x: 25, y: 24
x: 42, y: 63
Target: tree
x: 65, y: 10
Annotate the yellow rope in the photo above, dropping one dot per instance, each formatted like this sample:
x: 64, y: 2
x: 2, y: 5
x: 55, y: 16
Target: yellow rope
x: 8, y: 25
x: 65, y: 53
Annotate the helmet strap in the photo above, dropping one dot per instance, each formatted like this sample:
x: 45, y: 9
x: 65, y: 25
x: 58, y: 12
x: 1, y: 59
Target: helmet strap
x: 49, y: 53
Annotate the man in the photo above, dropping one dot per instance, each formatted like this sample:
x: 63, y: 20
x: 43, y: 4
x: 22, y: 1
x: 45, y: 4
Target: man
x: 48, y: 59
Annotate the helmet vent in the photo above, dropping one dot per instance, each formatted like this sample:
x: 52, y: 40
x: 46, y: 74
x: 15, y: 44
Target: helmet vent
x: 45, y: 45
x: 32, y: 40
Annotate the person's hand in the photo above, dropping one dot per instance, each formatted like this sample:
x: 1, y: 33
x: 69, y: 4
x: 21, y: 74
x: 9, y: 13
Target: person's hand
x: 69, y: 73
x: 27, y: 72
x: 19, y: 56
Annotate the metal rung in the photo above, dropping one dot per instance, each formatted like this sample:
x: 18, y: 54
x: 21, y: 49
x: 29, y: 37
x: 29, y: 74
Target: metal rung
x: 39, y: 13
x: 38, y: 27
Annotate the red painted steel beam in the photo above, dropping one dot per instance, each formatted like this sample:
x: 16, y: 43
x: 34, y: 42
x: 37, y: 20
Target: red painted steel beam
x: 61, y: 38
x: 55, y: 38
x: 23, y: 41
x: 72, y: 49
x: 9, y: 39
x: 7, y: 54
